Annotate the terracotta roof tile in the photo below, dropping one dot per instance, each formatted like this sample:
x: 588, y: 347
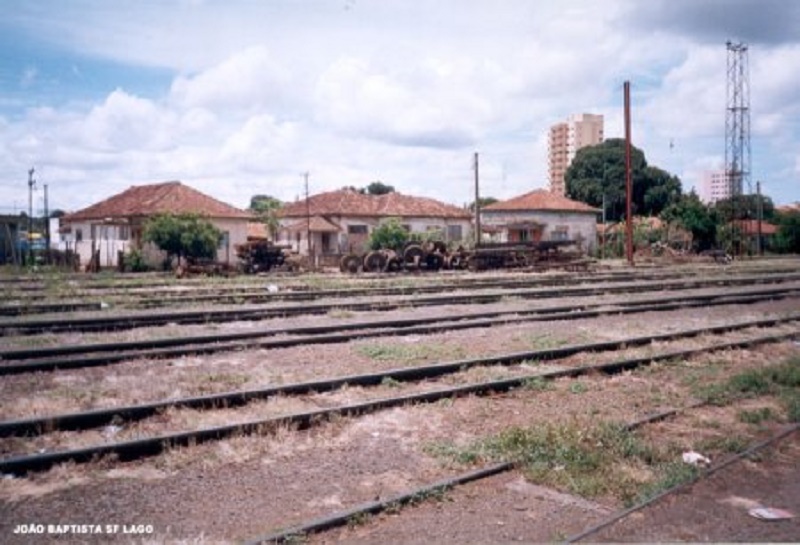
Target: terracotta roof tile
x: 346, y: 202
x: 318, y: 224
x: 750, y: 227
x: 147, y: 200
x: 541, y: 199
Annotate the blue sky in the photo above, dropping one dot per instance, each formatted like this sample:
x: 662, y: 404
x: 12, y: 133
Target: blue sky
x: 238, y: 98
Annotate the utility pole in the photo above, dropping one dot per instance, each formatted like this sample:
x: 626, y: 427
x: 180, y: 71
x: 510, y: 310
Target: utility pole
x: 605, y: 234
x: 760, y: 214
x: 477, y: 204
x: 308, y: 222
x: 46, y: 227
x: 31, y: 185
x: 628, y: 180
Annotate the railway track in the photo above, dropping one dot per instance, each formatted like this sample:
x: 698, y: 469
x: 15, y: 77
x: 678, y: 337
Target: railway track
x: 411, y: 497
x: 196, y: 294
x: 131, y: 321
x: 141, y: 448
x: 307, y: 474
x: 102, y: 417
x: 43, y: 359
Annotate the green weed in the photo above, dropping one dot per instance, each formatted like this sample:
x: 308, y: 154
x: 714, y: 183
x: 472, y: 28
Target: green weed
x: 536, y: 384
x: 756, y: 416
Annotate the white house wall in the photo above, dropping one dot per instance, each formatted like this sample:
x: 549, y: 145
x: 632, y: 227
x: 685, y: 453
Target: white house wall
x: 417, y: 225
x: 579, y: 225
x: 107, y: 240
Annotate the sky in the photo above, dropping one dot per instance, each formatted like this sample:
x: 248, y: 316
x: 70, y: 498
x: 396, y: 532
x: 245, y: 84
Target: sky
x: 238, y: 98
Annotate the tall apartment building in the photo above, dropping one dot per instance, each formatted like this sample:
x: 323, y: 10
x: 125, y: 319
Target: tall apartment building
x: 714, y: 187
x: 566, y: 138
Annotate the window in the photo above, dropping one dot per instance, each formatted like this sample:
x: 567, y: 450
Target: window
x: 326, y: 243
x: 357, y: 229
x: 124, y: 232
x: 454, y: 232
x: 78, y: 235
x: 560, y: 232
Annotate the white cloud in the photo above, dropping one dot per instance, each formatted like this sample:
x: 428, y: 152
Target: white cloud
x: 403, y: 92
x: 249, y: 80
x: 125, y: 122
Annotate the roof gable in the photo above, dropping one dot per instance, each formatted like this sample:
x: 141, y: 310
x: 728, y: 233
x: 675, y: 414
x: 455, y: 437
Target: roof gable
x: 149, y: 200
x: 541, y: 199
x: 346, y: 202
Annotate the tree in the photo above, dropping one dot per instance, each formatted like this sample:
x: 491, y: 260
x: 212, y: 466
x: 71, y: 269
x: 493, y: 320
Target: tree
x: 266, y: 208
x: 379, y: 188
x: 389, y: 235
x: 689, y: 213
x: 183, y: 236
x: 599, y: 171
x: 482, y: 202
x: 788, y: 236
x: 745, y: 207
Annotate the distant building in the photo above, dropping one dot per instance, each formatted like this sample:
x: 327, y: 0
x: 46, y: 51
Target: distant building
x: 542, y: 215
x: 565, y: 140
x: 341, y: 221
x: 116, y: 224
x: 714, y: 187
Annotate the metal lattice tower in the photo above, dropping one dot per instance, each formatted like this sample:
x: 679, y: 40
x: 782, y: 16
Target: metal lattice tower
x: 737, y: 121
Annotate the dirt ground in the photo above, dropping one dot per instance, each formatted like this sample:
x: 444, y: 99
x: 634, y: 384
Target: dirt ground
x: 241, y: 488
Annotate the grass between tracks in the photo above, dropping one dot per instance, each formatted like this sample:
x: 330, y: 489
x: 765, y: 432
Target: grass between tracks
x: 605, y: 459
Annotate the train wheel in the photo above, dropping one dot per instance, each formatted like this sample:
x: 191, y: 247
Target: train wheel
x: 374, y: 261
x: 350, y: 264
x: 434, y: 262
x: 413, y: 255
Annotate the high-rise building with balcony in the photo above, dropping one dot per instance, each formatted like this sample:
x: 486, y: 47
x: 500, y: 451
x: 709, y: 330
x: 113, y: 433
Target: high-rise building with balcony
x: 565, y: 140
x: 715, y: 186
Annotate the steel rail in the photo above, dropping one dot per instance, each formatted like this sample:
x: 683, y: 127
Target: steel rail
x: 789, y: 430
x: 341, y: 518
x: 99, y: 417
x: 98, y: 355
x: 259, y: 313
x: 42, y: 352
x: 152, y: 299
x: 152, y: 446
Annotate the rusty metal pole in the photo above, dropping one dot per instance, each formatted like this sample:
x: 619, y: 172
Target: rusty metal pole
x: 760, y: 215
x: 628, y: 180
x: 477, y: 205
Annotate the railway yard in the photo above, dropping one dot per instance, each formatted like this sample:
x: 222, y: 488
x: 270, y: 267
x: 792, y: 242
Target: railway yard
x: 445, y: 407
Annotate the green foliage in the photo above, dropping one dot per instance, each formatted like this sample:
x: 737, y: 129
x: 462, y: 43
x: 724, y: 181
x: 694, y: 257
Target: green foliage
x: 756, y: 416
x: 134, y: 261
x: 379, y: 188
x: 267, y: 207
x: 788, y: 237
x: 183, y: 236
x: 537, y: 384
x: 745, y: 207
x: 578, y: 458
x: 671, y: 474
x: 689, y: 213
x: 600, y: 170
x: 482, y: 202
x: 782, y: 379
x: 389, y: 235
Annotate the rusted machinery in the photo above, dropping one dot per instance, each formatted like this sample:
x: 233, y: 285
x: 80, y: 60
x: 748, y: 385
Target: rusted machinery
x: 433, y: 256
x: 260, y: 255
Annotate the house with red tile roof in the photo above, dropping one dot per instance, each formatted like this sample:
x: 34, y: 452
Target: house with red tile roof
x: 115, y: 224
x: 542, y: 215
x: 341, y: 221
